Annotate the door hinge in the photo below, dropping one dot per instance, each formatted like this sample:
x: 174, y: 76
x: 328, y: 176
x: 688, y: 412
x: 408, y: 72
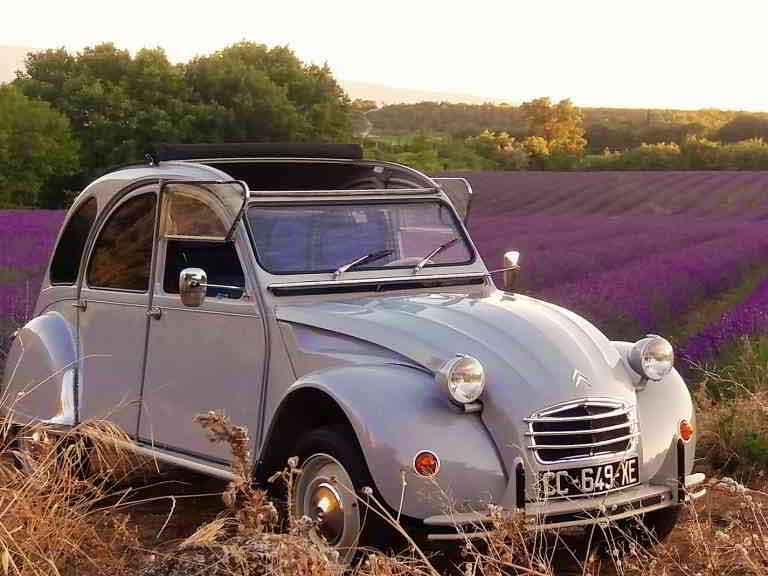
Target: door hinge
x: 155, y: 312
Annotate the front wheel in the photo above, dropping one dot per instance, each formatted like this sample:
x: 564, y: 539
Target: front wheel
x: 660, y: 523
x: 327, y: 491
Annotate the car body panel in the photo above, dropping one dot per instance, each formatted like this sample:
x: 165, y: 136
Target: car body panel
x: 471, y: 473
x: 190, y: 364
x: 40, y: 370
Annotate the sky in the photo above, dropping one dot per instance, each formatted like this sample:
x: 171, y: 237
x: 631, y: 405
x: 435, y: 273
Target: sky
x: 647, y: 53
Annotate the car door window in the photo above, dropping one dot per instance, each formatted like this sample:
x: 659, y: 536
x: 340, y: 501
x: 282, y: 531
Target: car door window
x: 194, y: 238
x: 122, y: 255
x: 218, y: 259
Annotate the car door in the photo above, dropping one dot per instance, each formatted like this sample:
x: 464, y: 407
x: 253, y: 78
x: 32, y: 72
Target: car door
x: 113, y: 322
x: 202, y: 358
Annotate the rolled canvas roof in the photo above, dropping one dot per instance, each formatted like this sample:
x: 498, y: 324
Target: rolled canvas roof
x: 164, y: 152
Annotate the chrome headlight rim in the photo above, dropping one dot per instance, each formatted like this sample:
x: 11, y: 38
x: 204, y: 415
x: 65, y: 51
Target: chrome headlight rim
x: 460, y: 392
x: 652, y: 357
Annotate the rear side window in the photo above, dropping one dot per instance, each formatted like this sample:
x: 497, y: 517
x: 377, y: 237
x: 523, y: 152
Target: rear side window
x: 66, y: 259
x: 122, y: 255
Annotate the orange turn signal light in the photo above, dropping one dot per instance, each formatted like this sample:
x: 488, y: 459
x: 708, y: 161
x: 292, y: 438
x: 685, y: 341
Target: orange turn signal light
x: 686, y: 430
x: 426, y: 464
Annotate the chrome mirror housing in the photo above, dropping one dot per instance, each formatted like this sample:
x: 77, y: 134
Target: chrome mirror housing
x: 511, y: 269
x: 193, y: 283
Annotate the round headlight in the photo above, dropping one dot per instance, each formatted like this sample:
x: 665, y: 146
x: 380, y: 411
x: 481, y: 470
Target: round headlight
x: 464, y: 378
x: 652, y: 357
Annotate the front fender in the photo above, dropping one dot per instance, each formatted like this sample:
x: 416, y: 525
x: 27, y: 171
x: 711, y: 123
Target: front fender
x: 397, y: 411
x: 660, y: 408
x: 40, y: 372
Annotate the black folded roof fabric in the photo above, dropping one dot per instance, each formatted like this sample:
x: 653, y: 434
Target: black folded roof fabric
x: 256, y: 150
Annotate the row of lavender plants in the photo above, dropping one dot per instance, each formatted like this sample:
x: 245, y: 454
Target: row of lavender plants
x: 748, y: 318
x: 26, y: 241
x: 650, y: 292
x: 559, y: 250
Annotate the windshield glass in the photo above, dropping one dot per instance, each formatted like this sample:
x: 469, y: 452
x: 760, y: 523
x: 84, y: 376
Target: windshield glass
x: 314, y: 238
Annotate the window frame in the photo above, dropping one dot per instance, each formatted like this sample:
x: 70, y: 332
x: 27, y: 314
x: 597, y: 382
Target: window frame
x: 460, y: 228
x: 127, y: 197
x: 85, y: 249
x: 217, y: 207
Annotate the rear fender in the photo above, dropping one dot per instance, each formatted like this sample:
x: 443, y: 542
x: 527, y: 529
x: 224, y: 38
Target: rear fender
x: 40, y: 379
x: 397, y: 411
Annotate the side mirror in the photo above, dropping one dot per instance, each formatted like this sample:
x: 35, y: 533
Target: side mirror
x: 459, y: 192
x: 193, y: 283
x: 511, y: 270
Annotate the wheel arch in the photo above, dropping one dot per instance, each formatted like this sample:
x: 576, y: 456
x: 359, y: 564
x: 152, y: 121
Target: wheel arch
x: 391, y: 412
x: 40, y: 380
x: 317, y: 408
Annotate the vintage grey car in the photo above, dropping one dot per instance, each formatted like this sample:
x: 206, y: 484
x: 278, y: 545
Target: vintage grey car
x: 338, y: 308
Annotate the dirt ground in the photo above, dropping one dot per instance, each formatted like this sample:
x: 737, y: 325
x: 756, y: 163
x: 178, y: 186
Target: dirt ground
x: 177, y: 502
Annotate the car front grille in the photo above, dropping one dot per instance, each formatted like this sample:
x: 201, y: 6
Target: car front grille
x: 581, y: 429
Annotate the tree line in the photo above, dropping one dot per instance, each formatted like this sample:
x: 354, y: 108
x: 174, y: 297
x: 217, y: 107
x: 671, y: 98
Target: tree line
x: 612, y: 128
x: 549, y: 136
x: 69, y: 116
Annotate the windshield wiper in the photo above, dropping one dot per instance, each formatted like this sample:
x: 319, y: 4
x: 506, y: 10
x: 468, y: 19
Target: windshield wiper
x: 444, y: 246
x: 378, y: 255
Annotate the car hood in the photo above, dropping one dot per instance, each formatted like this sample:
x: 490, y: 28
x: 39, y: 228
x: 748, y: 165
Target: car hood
x: 535, y: 354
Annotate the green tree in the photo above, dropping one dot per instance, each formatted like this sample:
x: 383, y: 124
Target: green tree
x: 744, y: 127
x: 35, y: 144
x: 561, y: 125
x: 261, y: 93
x: 119, y: 105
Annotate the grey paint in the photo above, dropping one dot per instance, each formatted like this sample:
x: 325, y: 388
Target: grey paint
x: 374, y: 354
x: 396, y: 412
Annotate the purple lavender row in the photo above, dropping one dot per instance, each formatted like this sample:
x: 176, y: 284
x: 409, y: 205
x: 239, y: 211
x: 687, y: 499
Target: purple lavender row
x: 27, y: 237
x: 749, y: 318
x: 582, y: 247
x: 716, y: 194
x: 652, y: 291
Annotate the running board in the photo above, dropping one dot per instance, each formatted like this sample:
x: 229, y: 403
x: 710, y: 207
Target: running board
x: 167, y: 457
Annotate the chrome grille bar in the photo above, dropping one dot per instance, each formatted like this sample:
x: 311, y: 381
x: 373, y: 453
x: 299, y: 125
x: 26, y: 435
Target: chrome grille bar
x: 611, y: 414
x: 582, y: 429
x: 627, y: 424
x: 588, y: 445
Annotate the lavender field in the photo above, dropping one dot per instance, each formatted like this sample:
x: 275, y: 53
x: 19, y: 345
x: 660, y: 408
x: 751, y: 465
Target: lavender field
x: 634, y: 252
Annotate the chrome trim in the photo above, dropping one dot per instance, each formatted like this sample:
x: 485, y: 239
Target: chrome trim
x: 591, y: 431
x: 602, y: 509
x: 589, y: 445
x: 375, y: 280
x: 613, y: 413
x: 426, y: 451
x: 343, y: 192
x: 596, y: 449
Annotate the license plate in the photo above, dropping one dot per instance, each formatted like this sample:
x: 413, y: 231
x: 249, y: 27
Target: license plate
x: 588, y: 480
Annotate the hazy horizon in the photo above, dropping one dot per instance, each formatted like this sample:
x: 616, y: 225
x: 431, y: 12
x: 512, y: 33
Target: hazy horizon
x: 684, y: 55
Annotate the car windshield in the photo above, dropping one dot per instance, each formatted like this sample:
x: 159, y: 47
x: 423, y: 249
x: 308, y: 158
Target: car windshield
x: 314, y: 238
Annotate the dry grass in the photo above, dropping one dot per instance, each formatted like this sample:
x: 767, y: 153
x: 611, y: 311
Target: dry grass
x: 72, y: 511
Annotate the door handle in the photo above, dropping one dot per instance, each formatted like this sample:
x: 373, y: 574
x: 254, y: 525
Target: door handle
x: 155, y: 312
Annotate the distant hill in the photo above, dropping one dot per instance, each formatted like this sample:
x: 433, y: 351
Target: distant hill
x: 385, y: 95
x: 11, y: 59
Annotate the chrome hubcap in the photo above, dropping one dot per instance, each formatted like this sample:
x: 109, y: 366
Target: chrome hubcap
x: 324, y: 493
x: 327, y: 509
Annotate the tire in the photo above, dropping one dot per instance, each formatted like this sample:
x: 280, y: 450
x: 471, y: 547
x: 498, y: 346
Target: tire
x: 67, y: 451
x: 328, y: 491
x: 660, y: 523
